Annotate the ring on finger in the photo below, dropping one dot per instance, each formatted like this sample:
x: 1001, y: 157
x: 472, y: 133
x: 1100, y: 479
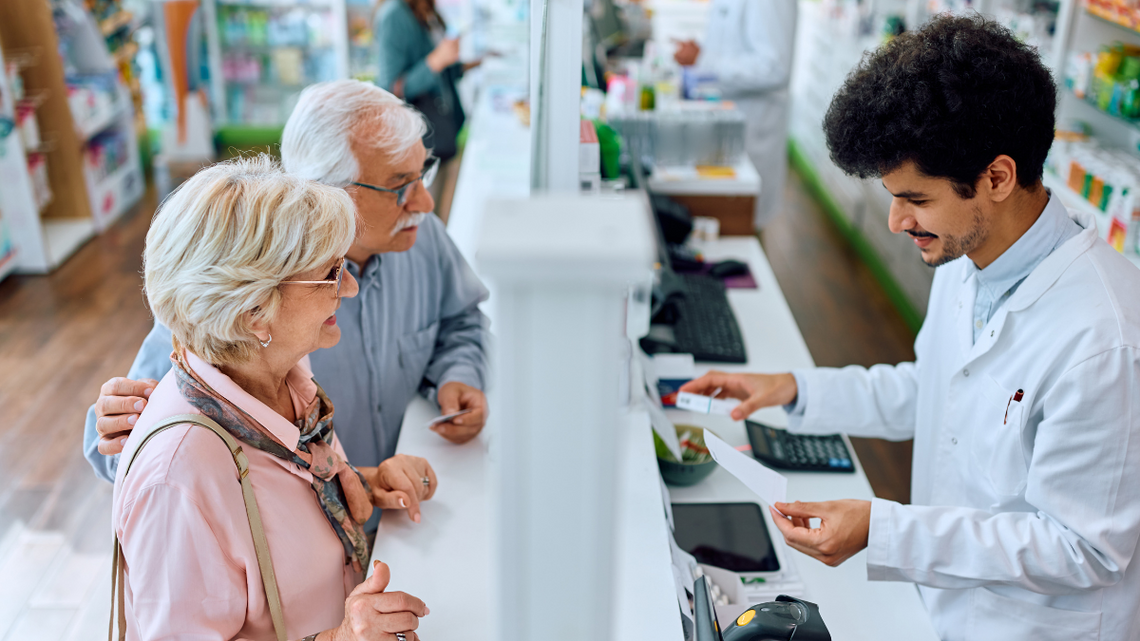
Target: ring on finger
x: 400, y: 637
x: 426, y: 481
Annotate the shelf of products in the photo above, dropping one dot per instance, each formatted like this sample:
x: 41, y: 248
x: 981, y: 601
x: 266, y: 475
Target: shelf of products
x: 79, y: 166
x: 363, y: 53
x: 264, y: 52
x: 1123, y: 13
x: 1099, y: 181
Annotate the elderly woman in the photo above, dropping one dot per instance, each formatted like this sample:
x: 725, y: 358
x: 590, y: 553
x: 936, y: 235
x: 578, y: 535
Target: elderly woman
x: 245, y: 265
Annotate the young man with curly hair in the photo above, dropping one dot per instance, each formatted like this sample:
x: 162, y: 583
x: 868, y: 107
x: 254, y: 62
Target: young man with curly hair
x: 1024, y: 397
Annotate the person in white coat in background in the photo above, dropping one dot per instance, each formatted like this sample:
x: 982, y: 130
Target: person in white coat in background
x: 1024, y: 397
x: 748, y: 46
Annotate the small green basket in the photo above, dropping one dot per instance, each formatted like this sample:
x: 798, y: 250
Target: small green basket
x: 695, y: 465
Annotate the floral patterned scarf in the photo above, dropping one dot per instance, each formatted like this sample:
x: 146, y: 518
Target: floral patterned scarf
x: 343, y: 492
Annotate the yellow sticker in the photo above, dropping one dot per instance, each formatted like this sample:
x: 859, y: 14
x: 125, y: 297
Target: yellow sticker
x: 745, y: 618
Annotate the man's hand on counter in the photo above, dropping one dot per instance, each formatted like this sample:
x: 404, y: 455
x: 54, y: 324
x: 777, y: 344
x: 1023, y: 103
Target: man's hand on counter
x: 754, y: 390
x: 842, y: 532
x: 454, y: 397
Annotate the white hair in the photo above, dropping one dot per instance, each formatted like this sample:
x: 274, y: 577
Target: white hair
x: 221, y: 244
x: 330, y: 116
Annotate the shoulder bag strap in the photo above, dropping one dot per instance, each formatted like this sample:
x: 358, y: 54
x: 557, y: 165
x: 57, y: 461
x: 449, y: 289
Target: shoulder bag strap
x: 260, y: 545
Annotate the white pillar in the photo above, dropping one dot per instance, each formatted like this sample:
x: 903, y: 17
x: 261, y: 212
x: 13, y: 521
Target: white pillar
x: 555, y: 91
x: 560, y: 268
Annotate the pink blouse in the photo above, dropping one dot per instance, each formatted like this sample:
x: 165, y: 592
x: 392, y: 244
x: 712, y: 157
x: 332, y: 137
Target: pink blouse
x: 191, y: 567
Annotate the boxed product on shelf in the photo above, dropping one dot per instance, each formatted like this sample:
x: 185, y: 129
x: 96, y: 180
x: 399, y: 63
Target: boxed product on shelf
x: 37, y: 171
x: 1110, y: 79
x: 93, y: 98
x: 106, y: 153
x: 26, y: 123
x: 1108, y: 179
x: 15, y: 80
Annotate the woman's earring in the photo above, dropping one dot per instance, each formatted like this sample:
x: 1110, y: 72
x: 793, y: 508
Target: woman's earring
x: 267, y: 342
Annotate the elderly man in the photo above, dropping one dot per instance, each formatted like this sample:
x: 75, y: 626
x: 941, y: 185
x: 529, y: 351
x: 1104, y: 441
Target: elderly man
x: 416, y: 324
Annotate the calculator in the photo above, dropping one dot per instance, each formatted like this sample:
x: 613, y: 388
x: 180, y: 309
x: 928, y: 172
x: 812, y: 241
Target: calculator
x: 780, y: 449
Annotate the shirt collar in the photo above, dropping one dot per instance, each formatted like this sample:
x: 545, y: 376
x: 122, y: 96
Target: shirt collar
x: 302, y: 388
x: 1026, y: 253
x: 369, y: 270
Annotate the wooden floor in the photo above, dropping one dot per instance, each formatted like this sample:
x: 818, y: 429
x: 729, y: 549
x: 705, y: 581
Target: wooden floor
x: 62, y: 335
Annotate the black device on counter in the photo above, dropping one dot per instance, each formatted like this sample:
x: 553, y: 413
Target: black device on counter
x: 693, y: 316
x: 784, y: 619
x: 783, y: 450
x: 732, y: 536
x: 780, y: 620
x: 690, y: 312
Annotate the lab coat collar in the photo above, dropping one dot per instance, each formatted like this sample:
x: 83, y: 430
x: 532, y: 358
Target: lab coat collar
x: 1041, y: 279
x: 1026, y: 253
x: 1035, y: 285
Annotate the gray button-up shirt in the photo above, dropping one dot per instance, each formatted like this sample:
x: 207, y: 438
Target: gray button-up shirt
x: 414, y: 326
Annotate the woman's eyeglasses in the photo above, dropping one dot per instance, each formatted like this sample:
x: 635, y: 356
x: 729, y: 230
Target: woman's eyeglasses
x: 335, y: 277
x: 431, y: 167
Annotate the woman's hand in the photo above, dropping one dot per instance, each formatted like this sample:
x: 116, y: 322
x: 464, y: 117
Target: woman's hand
x: 371, y: 614
x: 755, y: 390
x: 398, y: 483
x: 445, y: 54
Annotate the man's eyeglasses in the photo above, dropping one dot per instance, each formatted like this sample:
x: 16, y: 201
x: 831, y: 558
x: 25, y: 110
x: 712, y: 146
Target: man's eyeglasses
x: 431, y: 167
x: 335, y: 276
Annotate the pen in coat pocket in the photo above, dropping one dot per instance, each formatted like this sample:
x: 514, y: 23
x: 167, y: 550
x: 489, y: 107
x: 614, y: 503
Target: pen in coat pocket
x: 1016, y: 397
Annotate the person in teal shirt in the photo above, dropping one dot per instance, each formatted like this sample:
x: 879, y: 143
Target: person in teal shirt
x: 420, y: 63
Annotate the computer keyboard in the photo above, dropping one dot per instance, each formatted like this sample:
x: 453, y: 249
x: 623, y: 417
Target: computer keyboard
x: 705, y: 324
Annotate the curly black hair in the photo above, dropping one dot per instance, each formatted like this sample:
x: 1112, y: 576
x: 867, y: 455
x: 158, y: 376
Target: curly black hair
x: 950, y: 97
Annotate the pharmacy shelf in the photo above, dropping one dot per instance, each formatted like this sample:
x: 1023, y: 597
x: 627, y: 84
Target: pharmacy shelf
x: 100, y: 123
x: 686, y: 181
x: 112, y: 196
x: 62, y: 236
x: 7, y: 264
x: 278, y: 4
x: 1107, y: 16
x: 1135, y: 124
x: 1076, y: 202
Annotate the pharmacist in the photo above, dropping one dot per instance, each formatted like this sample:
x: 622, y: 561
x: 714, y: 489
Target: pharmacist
x: 748, y: 47
x: 1024, y: 397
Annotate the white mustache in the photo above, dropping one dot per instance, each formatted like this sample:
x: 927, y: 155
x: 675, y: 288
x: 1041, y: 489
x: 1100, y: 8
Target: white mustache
x: 411, y: 220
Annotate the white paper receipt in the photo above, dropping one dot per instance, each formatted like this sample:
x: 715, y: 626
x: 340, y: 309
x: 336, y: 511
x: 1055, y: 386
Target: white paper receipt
x: 770, y: 486
x: 705, y: 404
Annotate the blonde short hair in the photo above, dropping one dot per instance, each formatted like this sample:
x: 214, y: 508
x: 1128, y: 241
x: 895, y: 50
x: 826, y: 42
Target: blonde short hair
x: 221, y: 244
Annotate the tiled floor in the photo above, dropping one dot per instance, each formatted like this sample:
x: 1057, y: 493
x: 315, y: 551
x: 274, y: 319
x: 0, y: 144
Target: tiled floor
x: 62, y: 335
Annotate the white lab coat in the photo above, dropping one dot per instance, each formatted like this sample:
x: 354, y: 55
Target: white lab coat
x: 749, y: 45
x: 1023, y: 526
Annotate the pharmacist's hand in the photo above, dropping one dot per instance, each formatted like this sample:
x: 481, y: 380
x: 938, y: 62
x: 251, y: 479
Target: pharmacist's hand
x: 842, y: 532
x: 454, y: 397
x: 445, y: 54
x: 687, y: 52
x: 398, y: 483
x: 121, y: 400
x: 754, y: 390
x: 371, y: 614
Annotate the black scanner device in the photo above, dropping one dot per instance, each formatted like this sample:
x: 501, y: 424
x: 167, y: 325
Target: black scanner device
x: 784, y: 619
x: 779, y: 620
